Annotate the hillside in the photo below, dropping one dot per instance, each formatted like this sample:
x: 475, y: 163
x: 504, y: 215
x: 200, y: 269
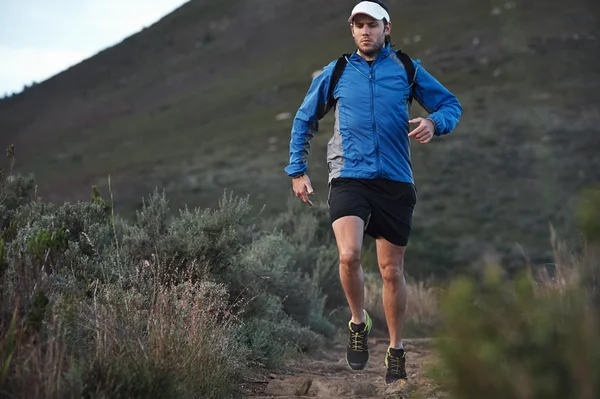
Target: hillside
x: 189, y: 105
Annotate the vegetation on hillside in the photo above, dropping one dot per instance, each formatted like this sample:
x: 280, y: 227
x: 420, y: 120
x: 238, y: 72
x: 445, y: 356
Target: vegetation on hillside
x: 183, y: 305
x: 533, y: 336
x: 178, y: 306
x: 156, y: 111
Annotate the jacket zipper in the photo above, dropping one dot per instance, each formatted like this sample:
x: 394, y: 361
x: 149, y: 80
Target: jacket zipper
x: 371, y: 77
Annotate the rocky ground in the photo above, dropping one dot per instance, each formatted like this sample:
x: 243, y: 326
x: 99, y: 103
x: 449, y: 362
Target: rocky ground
x: 326, y: 375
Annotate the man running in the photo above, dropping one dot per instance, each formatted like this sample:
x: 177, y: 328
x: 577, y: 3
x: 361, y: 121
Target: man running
x: 371, y: 187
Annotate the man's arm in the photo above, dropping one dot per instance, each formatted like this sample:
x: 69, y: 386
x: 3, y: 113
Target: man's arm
x: 306, y: 121
x: 443, y: 106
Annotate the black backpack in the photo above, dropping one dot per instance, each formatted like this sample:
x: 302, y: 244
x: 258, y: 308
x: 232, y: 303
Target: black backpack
x: 341, y: 64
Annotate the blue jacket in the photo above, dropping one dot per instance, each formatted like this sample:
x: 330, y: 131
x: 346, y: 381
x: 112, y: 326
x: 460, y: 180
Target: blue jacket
x: 370, y: 135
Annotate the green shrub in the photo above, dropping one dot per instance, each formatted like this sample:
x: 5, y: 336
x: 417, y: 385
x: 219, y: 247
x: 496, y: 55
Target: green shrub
x: 315, y: 252
x: 15, y: 189
x: 260, y: 273
x: 174, y: 304
x: 274, y: 291
x: 514, y: 339
x: 193, y: 244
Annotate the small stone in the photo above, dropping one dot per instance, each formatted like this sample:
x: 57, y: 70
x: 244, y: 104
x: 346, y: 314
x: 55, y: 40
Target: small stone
x: 283, y: 116
x: 476, y: 41
x: 497, y: 72
x: 417, y: 38
x: 396, y: 388
x: 496, y: 11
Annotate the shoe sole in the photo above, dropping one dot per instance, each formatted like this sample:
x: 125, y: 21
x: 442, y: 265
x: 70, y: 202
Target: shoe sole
x: 359, y: 368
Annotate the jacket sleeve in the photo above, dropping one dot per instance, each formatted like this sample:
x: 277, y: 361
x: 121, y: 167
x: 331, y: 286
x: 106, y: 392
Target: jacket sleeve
x: 443, y: 107
x: 306, y: 122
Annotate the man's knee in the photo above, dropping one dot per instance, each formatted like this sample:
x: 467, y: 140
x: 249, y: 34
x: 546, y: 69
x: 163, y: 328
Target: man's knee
x: 350, y: 259
x: 392, y: 270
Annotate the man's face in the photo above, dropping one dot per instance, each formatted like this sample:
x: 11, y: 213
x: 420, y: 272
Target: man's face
x: 369, y: 34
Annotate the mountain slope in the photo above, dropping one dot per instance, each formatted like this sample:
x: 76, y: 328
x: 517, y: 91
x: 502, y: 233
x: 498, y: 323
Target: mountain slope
x: 189, y: 104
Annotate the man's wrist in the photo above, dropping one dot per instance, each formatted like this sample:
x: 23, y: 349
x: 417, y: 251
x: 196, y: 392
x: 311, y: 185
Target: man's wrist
x: 433, y: 123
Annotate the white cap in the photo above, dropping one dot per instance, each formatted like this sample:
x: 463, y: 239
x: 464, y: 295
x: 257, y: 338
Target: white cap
x: 371, y: 9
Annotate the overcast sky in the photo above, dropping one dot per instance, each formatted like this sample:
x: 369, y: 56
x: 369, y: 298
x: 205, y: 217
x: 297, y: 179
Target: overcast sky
x: 40, y: 38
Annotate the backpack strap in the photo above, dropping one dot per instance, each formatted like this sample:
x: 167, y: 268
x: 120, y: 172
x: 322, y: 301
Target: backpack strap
x: 338, y: 70
x: 408, y: 65
x: 410, y: 71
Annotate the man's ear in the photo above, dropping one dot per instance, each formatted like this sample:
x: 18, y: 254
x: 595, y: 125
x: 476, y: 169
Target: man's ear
x: 388, y: 28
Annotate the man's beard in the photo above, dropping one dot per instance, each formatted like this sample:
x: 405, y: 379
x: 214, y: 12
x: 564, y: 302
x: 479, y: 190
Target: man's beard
x: 372, y: 49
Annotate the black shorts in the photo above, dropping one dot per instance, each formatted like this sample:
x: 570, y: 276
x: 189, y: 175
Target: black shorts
x: 385, y: 206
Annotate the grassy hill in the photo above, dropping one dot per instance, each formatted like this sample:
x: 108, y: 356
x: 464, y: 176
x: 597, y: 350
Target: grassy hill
x: 189, y: 105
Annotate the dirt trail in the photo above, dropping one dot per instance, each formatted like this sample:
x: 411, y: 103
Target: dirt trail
x: 326, y: 375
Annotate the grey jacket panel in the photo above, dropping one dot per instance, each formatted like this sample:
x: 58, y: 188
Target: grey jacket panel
x: 335, y: 152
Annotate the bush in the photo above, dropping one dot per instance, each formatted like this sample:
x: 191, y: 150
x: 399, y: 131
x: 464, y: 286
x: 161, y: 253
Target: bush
x: 179, y: 346
x: 523, y: 338
x: 177, y: 305
x: 314, y: 250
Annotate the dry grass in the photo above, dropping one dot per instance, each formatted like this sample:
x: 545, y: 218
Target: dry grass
x: 570, y: 268
x: 179, y: 341
x: 186, y: 333
x: 421, y: 309
x: 42, y: 360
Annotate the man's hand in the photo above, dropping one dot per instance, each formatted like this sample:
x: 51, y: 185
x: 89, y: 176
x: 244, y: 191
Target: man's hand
x: 303, y: 188
x: 424, y: 132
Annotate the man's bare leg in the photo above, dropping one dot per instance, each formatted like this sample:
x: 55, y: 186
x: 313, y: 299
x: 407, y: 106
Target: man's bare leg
x: 348, y: 232
x: 391, y: 265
